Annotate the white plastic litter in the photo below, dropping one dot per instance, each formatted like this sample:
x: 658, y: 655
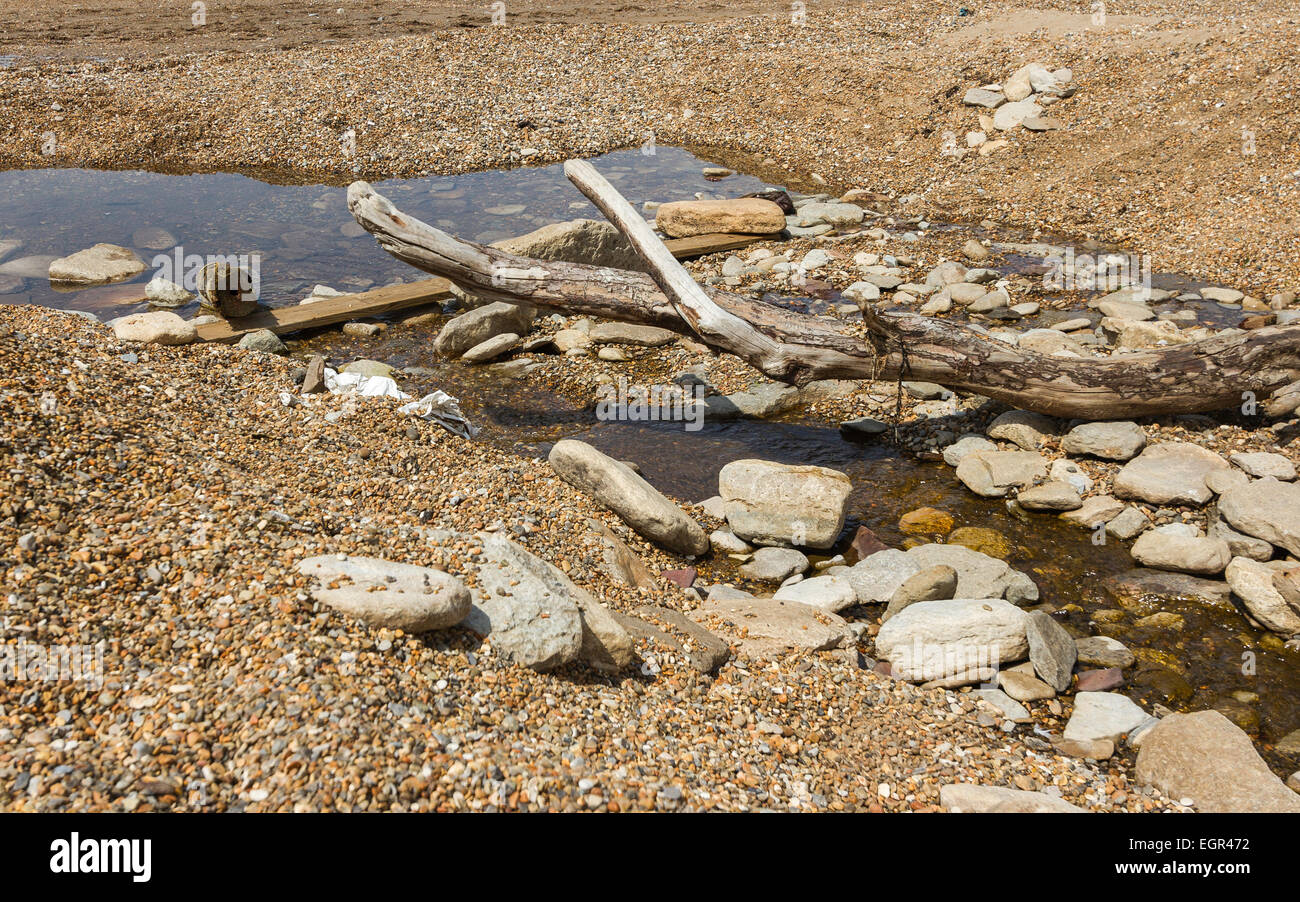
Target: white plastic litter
x: 437, y: 407
x: 441, y: 408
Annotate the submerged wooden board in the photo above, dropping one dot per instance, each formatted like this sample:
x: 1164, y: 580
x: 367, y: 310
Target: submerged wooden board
x: 283, y: 320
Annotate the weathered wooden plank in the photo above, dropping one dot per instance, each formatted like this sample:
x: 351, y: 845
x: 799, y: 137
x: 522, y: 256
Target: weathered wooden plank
x: 283, y: 320
x: 713, y: 243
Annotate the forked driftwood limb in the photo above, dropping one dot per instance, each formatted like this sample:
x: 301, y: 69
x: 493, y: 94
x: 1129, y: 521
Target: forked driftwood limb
x: 1212, y: 374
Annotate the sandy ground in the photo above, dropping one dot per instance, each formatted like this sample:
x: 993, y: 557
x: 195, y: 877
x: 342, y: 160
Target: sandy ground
x: 1179, y: 143
x: 140, y: 28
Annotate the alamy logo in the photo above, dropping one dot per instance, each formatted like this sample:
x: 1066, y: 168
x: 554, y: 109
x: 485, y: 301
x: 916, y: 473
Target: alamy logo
x: 639, y: 403
x: 1106, y: 272
x: 103, y: 856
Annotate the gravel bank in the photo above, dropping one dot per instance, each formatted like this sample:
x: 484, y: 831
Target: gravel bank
x: 157, y: 501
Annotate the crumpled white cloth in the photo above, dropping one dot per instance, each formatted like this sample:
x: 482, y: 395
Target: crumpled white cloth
x: 436, y: 407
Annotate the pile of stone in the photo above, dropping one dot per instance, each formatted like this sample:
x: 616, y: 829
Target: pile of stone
x: 1019, y: 102
x: 1249, y: 502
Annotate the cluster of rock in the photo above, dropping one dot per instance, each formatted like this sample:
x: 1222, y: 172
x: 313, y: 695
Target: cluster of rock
x: 1019, y: 102
x: 531, y: 613
x: 1250, y: 502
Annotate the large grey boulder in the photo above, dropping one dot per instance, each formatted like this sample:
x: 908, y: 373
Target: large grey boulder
x: 767, y: 628
x: 774, y: 565
x: 1266, y: 509
x: 978, y: 575
x: 1207, y: 758
x: 1166, y: 550
x: 617, y: 487
x: 1103, y: 715
x: 993, y: 474
x: 387, y: 594
x: 1169, y: 473
x: 155, y: 327
x: 954, y: 640
x: 878, y: 576
x: 1022, y: 428
x: 971, y: 798
x: 96, y: 266
x: 1252, y: 583
x: 832, y: 592
x: 587, y: 241
x: 1110, y: 441
x: 1051, y: 650
x: 535, y: 616
x: 1262, y: 464
x: 473, y: 327
x: 770, y: 503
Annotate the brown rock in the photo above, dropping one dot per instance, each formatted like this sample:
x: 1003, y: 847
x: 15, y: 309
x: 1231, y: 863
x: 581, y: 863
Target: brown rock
x: 866, y: 543
x: 683, y: 578
x: 1100, y: 680
x: 741, y: 215
x: 313, y: 382
x: 1097, y: 749
x: 926, y: 521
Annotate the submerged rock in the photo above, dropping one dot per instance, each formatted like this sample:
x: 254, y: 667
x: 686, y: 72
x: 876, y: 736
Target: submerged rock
x: 97, y: 265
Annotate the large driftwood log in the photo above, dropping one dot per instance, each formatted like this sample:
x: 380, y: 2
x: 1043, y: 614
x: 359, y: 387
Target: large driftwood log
x: 1212, y: 374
